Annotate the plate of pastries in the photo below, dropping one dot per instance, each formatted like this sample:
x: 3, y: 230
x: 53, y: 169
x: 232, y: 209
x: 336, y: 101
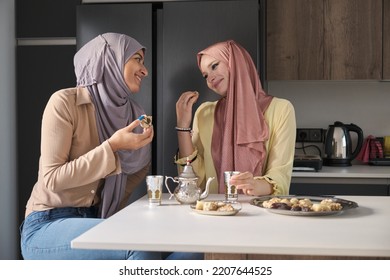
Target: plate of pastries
x: 216, y: 208
x: 303, y: 205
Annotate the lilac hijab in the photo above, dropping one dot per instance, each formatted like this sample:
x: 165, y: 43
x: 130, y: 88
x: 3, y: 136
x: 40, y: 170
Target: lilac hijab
x: 99, y: 67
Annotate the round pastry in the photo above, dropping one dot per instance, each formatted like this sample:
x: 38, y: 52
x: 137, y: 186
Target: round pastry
x: 225, y: 208
x: 146, y: 121
x: 320, y: 207
x: 199, y: 205
x: 210, y: 206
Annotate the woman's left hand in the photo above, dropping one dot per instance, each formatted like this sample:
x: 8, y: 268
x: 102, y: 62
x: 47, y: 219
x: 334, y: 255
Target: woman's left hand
x: 251, y: 186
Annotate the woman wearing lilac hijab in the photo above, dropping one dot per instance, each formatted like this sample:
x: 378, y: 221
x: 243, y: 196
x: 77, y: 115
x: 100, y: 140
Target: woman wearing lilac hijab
x: 93, y: 153
x: 246, y: 130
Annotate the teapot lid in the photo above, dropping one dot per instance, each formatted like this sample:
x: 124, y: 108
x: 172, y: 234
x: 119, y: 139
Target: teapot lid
x: 188, y: 171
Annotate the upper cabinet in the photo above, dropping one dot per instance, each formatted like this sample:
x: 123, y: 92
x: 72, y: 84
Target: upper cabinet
x: 46, y: 18
x: 295, y: 39
x: 353, y: 39
x: 326, y: 39
x: 386, y: 39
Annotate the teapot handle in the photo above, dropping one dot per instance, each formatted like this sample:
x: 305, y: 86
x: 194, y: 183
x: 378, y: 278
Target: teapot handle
x: 166, y: 184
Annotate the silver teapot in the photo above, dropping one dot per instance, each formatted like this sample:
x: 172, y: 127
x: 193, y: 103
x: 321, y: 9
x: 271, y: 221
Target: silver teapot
x: 187, y: 191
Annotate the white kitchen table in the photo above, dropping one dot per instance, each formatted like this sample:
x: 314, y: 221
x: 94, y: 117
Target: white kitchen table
x: 254, y: 233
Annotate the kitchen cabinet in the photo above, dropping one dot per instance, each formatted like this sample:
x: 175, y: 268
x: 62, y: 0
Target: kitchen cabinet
x: 179, y: 30
x: 46, y: 18
x: 294, y: 40
x: 324, y: 39
x: 41, y: 70
x: 44, y: 64
x: 386, y: 39
x: 351, y: 180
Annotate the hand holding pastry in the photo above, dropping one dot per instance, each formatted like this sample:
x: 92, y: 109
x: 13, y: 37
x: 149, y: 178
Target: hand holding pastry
x: 126, y: 139
x: 145, y: 121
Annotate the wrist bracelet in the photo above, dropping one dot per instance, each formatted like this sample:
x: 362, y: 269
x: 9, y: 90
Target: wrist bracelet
x: 183, y: 129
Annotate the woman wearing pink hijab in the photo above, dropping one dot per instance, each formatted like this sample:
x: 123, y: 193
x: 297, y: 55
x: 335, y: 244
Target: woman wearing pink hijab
x: 246, y: 130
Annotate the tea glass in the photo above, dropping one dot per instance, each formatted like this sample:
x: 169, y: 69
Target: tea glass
x: 154, y: 184
x: 231, y: 193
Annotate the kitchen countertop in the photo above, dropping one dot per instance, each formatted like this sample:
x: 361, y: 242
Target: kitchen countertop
x: 362, y: 232
x: 354, y: 171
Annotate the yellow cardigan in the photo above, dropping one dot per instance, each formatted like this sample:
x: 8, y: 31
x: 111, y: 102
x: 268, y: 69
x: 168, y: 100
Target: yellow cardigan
x: 280, y: 117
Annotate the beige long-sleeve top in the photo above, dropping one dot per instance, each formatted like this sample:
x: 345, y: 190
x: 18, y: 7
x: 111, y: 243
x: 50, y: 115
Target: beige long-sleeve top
x: 280, y: 117
x: 73, y: 163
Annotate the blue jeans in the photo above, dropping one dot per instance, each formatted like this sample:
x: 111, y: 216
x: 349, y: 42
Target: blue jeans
x: 47, y: 235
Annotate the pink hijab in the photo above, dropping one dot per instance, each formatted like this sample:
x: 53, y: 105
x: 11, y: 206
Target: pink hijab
x: 240, y: 130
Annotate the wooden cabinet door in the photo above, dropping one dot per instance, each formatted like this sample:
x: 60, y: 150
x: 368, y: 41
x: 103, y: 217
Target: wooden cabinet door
x: 386, y: 39
x: 353, y: 39
x: 295, y: 40
x: 324, y: 39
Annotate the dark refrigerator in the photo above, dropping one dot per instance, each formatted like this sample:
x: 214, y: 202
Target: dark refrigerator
x: 173, y: 33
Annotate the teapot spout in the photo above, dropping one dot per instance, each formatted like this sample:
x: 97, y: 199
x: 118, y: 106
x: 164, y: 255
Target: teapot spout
x: 206, y: 191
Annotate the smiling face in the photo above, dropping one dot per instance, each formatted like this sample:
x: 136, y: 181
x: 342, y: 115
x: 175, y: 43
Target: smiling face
x: 216, y: 74
x: 135, y: 71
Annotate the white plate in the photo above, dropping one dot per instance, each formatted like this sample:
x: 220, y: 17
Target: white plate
x: 236, y: 206
x: 216, y: 213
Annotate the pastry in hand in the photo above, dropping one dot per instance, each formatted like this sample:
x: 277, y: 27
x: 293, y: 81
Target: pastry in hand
x: 146, y: 121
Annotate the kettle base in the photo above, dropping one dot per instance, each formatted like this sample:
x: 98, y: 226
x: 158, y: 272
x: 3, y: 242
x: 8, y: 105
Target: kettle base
x: 336, y: 162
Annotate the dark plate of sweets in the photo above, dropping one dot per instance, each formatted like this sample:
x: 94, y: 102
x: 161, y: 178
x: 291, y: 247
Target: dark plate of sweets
x: 294, y: 205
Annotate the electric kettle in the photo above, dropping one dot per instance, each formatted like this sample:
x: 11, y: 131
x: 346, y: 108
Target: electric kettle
x: 338, y: 144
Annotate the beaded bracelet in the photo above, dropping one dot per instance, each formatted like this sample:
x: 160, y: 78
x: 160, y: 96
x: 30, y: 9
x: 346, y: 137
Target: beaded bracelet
x: 188, y: 129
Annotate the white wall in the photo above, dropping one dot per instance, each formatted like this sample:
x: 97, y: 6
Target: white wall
x: 321, y: 103
x: 8, y: 187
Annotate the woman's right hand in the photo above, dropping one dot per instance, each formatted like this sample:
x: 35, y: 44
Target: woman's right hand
x: 126, y: 139
x: 184, y: 108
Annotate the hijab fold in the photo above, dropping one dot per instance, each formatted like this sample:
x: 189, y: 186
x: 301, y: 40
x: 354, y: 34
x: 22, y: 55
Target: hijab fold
x: 99, y: 67
x: 240, y: 130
